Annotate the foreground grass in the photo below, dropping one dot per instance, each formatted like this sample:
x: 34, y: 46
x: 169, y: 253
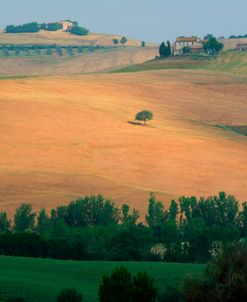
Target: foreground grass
x: 42, y: 279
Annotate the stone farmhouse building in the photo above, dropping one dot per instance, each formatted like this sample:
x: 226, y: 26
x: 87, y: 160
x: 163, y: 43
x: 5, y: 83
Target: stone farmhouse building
x: 67, y: 25
x: 241, y: 47
x: 194, y: 44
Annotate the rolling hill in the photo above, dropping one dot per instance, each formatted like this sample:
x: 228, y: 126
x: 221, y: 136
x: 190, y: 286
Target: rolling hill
x: 63, y: 38
x: 40, y: 63
x: 226, y: 61
x: 66, y: 136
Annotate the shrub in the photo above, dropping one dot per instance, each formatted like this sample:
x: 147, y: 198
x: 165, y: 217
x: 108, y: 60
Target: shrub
x: 225, y: 277
x: 54, y: 26
x: 172, y: 294
x: 120, y: 286
x: 79, y: 31
x: 69, y: 295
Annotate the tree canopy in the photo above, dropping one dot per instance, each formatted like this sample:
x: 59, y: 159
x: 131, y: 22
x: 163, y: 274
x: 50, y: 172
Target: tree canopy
x: 79, y: 31
x: 122, y: 286
x: 165, y: 49
x: 25, y: 28
x: 123, y: 40
x: 213, y: 45
x: 144, y: 116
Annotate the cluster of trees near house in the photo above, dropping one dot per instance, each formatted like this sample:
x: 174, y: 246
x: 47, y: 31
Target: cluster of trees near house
x: 34, y: 27
x: 94, y: 228
x: 165, y: 50
x: 212, y: 46
x: 60, y: 50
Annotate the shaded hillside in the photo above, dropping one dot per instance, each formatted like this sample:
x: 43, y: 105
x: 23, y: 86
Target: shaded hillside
x: 98, y: 60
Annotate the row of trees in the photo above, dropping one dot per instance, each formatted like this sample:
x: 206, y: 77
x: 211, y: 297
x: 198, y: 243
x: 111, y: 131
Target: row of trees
x: 32, y: 27
x: 16, y: 50
x: 190, y: 230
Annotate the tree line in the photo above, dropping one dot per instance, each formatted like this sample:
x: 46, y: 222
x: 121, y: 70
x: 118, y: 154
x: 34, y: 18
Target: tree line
x: 16, y: 50
x: 95, y: 228
x: 34, y: 27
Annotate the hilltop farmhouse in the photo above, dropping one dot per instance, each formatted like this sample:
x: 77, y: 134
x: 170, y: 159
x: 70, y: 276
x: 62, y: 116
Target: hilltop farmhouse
x: 67, y: 25
x: 63, y: 25
x: 241, y: 47
x: 193, y: 44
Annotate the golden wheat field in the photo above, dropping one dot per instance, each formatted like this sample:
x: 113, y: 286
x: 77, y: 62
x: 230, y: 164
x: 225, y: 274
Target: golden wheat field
x: 62, y: 137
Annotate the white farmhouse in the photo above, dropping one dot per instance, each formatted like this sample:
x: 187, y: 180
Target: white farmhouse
x: 193, y: 44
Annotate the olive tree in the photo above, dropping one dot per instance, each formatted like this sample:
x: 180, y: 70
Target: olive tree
x: 123, y: 40
x: 115, y: 42
x: 144, y: 116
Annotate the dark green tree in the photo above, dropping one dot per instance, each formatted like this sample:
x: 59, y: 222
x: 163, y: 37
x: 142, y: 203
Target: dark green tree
x: 144, y: 116
x: 121, y: 286
x: 123, y: 40
x: 165, y: 49
x: 79, y: 31
x: 143, y: 288
x: 115, y: 42
x: 5, y: 223
x: 54, y: 26
x: 43, y: 223
x: 225, y: 278
x: 24, y: 219
x: 213, y: 46
x: 156, y: 213
x: 127, y: 216
x: 117, y: 287
x: 69, y: 295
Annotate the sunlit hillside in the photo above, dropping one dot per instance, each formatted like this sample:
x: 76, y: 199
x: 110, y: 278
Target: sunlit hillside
x: 68, y: 136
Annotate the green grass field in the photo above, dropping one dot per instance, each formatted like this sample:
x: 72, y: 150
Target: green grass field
x: 42, y: 279
x: 227, y: 61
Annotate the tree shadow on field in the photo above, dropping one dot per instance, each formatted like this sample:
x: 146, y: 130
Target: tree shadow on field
x: 136, y: 123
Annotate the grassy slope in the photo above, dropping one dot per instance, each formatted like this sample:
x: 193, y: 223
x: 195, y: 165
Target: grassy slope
x: 63, y: 38
x: 227, y: 61
x: 102, y: 60
x: 41, y: 280
x: 170, y: 63
x: 63, y: 137
x: 99, y: 60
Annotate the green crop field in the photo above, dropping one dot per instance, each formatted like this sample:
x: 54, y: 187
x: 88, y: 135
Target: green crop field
x: 42, y: 279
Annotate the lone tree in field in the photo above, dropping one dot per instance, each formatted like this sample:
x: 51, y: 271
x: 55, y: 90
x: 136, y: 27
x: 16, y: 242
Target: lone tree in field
x: 144, y: 116
x: 115, y: 42
x: 123, y: 41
